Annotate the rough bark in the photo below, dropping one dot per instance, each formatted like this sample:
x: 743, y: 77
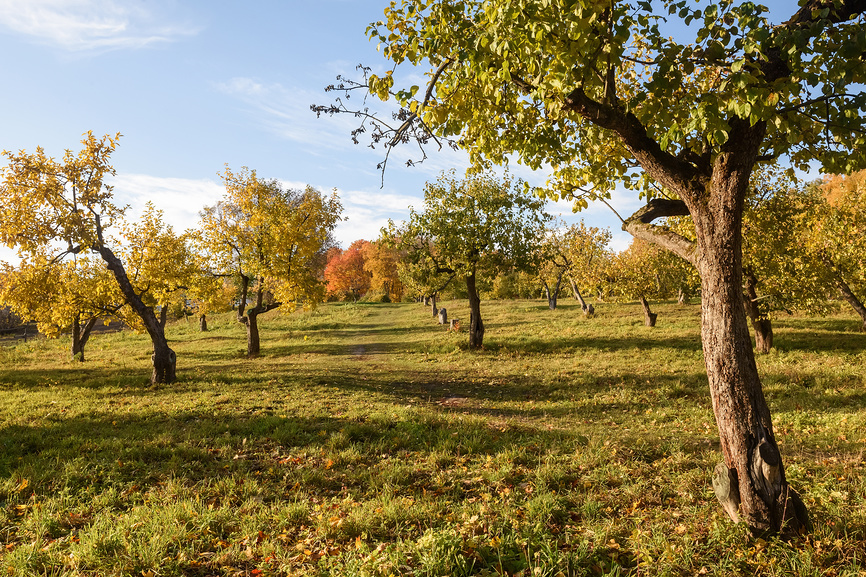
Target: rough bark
x: 682, y: 297
x: 164, y: 359
x: 766, y: 503
x: 476, y: 325
x: 649, y: 317
x: 761, y: 323
x: 755, y: 489
x: 163, y: 316
x: 80, y: 336
x: 588, y: 310
x: 202, y: 323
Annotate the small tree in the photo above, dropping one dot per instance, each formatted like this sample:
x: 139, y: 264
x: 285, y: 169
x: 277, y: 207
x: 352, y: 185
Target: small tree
x: 270, y: 239
x: 58, y: 209
x: 477, y: 226
x: 637, y: 275
x: 583, y: 253
x: 71, y: 295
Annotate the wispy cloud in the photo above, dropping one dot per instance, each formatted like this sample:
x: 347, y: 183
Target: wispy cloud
x: 91, y: 25
x: 285, y: 112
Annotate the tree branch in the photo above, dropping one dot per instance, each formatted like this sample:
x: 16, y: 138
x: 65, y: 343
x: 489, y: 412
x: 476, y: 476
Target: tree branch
x: 638, y: 225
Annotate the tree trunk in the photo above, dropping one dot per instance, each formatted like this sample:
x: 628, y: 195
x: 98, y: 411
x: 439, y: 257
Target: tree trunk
x: 553, y: 296
x: 433, y: 308
x: 649, y: 317
x: 682, y: 297
x: 164, y: 359
x: 476, y: 325
x: 253, y: 343
x: 761, y: 323
x: 249, y: 317
x: 202, y: 323
x: 163, y: 315
x: 852, y: 299
x: 549, y: 295
x: 80, y: 335
x: 754, y: 487
x: 577, y: 294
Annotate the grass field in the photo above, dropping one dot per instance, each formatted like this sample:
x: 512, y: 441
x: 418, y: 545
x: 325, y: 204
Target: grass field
x: 368, y: 441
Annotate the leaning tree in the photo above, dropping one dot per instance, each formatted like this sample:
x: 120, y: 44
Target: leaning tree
x: 57, y: 209
x: 672, y: 98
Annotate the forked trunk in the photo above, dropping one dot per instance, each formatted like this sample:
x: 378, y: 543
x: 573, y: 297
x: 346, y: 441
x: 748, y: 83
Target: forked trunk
x: 249, y: 317
x: 476, y: 325
x: 761, y: 323
x: 649, y: 317
x: 751, y: 484
x: 80, y: 335
x: 163, y: 316
x: 549, y: 295
x: 553, y: 295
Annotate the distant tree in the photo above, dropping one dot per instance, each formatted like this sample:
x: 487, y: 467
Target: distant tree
x: 582, y: 253
x: 779, y: 272
x: 477, y: 226
x: 417, y: 269
x: 345, y: 272
x: 381, y: 261
x: 835, y: 233
x: 57, y: 209
x: 270, y: 239
x: 637, y: 276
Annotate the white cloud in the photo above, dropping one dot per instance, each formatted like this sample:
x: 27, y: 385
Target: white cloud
x: 180, y: 199
x: 364, y: 212
x: 90, y: 25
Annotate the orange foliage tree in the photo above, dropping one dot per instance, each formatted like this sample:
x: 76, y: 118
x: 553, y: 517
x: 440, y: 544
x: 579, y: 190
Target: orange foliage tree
x: 345, y: 273
x: 381, y: 262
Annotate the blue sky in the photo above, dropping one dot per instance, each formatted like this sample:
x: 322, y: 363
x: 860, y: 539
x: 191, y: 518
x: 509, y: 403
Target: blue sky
x: 193, y: 85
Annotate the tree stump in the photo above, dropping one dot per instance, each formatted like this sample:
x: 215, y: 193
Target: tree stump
x: 443, y: 316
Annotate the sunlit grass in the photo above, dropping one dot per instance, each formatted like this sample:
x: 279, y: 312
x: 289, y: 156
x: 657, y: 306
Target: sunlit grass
x: 367, y: 440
